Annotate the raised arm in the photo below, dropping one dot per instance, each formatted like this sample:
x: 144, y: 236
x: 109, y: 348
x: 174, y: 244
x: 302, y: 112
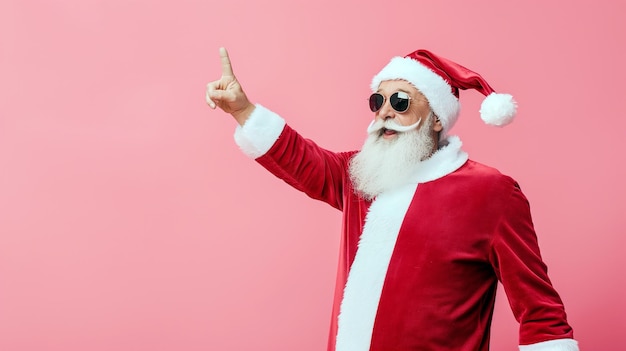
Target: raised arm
x: 264, y: 136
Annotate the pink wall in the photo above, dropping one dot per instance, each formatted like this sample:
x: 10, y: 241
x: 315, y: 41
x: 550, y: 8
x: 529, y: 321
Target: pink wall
x: 129, y: 220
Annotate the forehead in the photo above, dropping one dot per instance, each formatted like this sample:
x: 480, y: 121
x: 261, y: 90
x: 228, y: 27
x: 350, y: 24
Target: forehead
x: 389, y: 87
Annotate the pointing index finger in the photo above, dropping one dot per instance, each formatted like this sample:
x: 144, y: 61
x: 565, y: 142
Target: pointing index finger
x: 227, y: 68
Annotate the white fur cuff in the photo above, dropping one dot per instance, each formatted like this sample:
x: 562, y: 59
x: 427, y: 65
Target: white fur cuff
x: 260, y: 132
x: 552, y: 345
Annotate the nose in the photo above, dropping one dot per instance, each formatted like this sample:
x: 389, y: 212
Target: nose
x: 386, y: 112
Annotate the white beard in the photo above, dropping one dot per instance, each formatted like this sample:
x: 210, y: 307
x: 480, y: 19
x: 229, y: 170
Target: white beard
x: 384, y: 164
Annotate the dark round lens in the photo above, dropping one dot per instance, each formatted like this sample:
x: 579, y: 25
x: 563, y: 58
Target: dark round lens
x: 376, y: 102
x: 399, y: 101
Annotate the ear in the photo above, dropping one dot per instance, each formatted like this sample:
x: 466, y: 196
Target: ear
x: 437, y: 127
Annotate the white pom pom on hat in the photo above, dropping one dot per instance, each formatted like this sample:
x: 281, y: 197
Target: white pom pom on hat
x: 498, y: 109
x: 440, y: 79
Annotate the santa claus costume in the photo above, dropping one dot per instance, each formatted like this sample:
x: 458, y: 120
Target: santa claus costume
x: 420, y: 263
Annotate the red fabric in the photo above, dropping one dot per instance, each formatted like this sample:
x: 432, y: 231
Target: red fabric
x: 456, y: 75
x: 462, y: 233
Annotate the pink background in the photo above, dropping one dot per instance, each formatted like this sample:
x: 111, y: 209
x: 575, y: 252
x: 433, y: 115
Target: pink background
x: 129, y: 220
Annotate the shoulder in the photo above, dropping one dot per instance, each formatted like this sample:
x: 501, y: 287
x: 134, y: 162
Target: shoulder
x: 476, y: 171
x: 474, y: 168
x: 478, y: 180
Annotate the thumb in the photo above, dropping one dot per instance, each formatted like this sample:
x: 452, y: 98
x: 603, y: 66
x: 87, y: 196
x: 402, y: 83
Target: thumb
x: 214, y: 97
x: 215, y: 92
x: 221, y: 96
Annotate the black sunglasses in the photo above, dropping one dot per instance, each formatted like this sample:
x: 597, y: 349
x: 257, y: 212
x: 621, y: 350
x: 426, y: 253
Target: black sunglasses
x: 399, y: 101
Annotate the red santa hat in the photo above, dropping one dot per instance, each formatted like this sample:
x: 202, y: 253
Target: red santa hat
x: 440, y: 79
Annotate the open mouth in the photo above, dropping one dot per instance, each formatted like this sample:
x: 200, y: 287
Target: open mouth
x: 380, y: 127
x: 387, y: 132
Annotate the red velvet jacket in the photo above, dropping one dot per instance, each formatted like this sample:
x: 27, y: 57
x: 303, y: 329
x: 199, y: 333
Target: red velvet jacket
x: 462, y: 233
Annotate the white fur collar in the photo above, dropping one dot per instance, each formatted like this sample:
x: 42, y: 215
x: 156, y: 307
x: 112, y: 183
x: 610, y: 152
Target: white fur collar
x: 444, y: 161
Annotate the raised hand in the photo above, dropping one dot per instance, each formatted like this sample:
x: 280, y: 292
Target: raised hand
x: 227, y: 94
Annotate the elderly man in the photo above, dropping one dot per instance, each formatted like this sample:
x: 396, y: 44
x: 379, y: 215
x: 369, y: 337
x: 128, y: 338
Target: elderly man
x: 427, y: 233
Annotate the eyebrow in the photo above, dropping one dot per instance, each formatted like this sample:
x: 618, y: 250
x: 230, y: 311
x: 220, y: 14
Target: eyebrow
x: 397, y: 90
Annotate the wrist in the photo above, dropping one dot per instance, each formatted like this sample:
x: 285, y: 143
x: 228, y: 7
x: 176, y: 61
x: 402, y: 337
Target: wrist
x: 242, y: 115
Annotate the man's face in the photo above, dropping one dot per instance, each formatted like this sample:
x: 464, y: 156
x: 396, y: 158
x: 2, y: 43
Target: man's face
x: 418, y: 106
x: 396, y: 142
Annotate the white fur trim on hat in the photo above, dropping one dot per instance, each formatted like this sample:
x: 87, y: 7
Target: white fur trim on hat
x: 438, y: 92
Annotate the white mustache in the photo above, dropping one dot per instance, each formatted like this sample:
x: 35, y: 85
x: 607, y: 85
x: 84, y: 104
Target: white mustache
x: 376, y: 126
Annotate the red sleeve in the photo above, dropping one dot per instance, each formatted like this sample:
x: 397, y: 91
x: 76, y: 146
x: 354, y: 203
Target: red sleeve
x: 518, y: 265
x: 317, y: 172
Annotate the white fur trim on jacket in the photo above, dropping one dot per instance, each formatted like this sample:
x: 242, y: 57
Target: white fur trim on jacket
x: 367, y: 274
x: 260, y: 132
x: 382, y: 225
x: 444, y: 161
x: 552, y: 345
